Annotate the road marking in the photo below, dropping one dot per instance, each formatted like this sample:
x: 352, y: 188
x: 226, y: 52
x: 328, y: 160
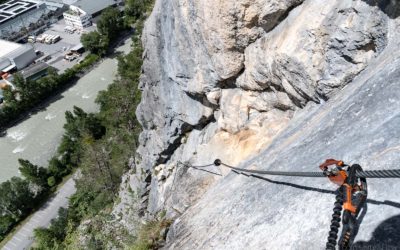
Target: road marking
x: 41, y: 218
x: 35, y: 220
x: 12, y: 243
x: 23, y: 235
x: 17, y: 238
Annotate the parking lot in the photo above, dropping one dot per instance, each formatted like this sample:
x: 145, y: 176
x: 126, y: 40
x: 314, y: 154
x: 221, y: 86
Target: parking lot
x: 57, y: 50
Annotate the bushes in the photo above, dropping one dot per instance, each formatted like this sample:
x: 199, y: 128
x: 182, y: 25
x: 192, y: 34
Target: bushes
x: 89, y: 60
x: 34, y: 174
x: 32, y: 93
x: 16, y: 201
x: 107, y: 141
x: 95, y: 43
x: 6, y: 223
x: 136, y: 9
x: 109, y: 26
x: 81, y: 130
x: 152, y: 234
x: 56, y: 170
x: 52, y: 237
x: 18, y: 197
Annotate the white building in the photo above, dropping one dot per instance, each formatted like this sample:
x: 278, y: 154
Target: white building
x: 77, y: 18
x: 15, y: 55
x: 80, y: 12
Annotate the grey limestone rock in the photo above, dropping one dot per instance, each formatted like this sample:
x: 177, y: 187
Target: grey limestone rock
x: 359, y: 126
x: 272, y: 85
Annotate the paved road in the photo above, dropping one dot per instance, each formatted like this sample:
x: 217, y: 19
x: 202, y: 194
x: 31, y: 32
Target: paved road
x: 24, y: 238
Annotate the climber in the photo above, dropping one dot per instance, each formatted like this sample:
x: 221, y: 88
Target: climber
x: 353, y: 191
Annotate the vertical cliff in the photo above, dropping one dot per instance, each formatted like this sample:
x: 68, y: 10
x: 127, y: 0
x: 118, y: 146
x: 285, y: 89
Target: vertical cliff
x: 284, y: 83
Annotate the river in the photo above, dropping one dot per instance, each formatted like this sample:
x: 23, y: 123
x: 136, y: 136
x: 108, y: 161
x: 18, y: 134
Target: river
x: 36, y: 138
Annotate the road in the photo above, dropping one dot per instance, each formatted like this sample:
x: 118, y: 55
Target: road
x: 24, y: 238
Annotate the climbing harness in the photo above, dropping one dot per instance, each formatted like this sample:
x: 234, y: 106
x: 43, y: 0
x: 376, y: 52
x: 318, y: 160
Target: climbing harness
x: 350, y: 196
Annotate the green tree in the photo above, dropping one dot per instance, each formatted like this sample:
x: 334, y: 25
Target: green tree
x: 100, y: 144
x: 16, y: 198
x: 95, y: 43
x: 51, y: 181
x: 6, y: 222
x: 136, y: 8
x: 33, y: 173
x: 46, y: 240
x: 52, y: 237
x: 9, y: 95
x: 110, y: 23
x: 57, y: 169
x: 19, y: 81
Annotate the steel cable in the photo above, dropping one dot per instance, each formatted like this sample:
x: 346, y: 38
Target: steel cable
x: 354, y: 172
x: 390, y: 173
x: 335, y: 222
x: 196, y: 166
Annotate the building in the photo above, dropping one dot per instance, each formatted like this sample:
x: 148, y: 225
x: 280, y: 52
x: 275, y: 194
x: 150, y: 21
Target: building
x: 15, y: 56
x: 94, y: 8
x: 77, y: 18
x: 35, y: 71
x: 78, y: 49
x: 81, y: 12
x: 56, y: 8
x: 20, y: 18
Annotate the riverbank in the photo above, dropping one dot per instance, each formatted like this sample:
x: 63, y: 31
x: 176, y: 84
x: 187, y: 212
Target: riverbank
x: 46, y: 101
x: 51, y: 125
x: 36, y: 136
x: 56, y: 94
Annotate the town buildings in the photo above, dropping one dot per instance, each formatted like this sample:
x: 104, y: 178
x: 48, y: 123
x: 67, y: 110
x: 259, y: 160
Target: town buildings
x: 21, y: 18
x: 77, y: 18
x: 80, y: 13
x: 15, y: 56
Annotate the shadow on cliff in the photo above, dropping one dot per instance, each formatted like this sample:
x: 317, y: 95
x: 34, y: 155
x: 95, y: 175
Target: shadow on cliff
x: 320, y: 190
x: 207, y: 171
x: 390, y: 7
x: 385, y: 236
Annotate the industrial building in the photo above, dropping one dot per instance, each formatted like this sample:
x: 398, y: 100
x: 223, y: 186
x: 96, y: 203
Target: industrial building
x: 35, y: 71
x: 15, y: 56
x: 81, y: 12
x: 20, y: 18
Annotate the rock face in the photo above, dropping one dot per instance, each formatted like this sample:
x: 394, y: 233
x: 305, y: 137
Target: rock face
x: 274, y: 84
